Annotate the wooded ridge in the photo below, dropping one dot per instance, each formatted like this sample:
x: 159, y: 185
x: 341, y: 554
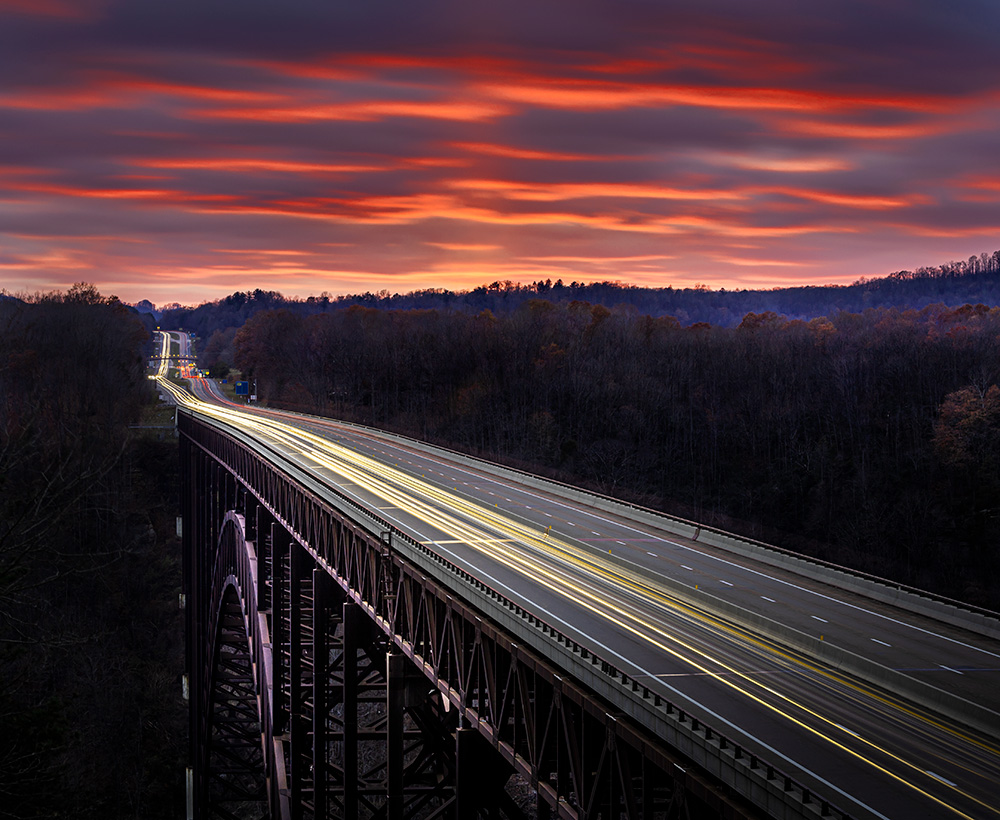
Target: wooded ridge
x: 92, y: 722
x: 869, y: 439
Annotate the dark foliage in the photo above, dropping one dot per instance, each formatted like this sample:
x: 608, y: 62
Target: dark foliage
x: 976, y: 280
x: 90, y: 708
x: 867, y: 439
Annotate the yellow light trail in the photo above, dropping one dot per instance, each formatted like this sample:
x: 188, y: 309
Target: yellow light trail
x: 543, y: 565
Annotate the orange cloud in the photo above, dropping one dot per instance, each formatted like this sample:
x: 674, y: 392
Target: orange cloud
x: 455, y: 246
x: 744, y: 57
x: 863, y: 131
x: 851, y: 200
x: 981, y: 189
x: 163, y: 195
x: 987, y: 233
x: 714, y: 226
x: 434, y: 162
x: 412, y: 209
x: 239, y: 166
x: 97, y: 193
x: 261, y: 251
x: 541, y: 192
x: 459, y: 110
x: 492, y: 149
x: 591, y: 95
x: 602, y: 260
x: 782, y: 165
x: 984, y: 183
x: 61, y: 259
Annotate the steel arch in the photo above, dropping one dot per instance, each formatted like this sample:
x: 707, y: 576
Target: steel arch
x: 243, y: 773
x: 308, y: 565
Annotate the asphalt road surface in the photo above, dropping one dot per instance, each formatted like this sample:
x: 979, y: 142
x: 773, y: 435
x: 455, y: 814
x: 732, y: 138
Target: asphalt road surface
x: 603, y: 580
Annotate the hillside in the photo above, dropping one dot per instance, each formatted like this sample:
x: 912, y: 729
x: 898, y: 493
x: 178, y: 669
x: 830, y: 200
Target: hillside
x: 974, y: 281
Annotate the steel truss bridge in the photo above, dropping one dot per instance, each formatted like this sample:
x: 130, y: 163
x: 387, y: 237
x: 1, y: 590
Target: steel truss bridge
x: 331, y: 677
x: 340, y: 668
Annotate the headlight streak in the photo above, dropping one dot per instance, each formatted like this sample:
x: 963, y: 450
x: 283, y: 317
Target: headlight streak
x: 163, y: 367
x: 373, y: 476
x: 601, y: 604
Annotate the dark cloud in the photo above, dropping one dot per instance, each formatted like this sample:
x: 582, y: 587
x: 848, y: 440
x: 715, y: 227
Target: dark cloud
x: 189, y: 144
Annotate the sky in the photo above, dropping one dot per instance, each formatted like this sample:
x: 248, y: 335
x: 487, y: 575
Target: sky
x: 180, y: 151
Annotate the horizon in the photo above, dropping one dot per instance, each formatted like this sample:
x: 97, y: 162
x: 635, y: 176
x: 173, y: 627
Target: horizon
x: 459, y: 292
x: 175, y: 153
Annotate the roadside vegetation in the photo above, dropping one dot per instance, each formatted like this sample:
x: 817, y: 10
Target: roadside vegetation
x: 973, y: 281
x: 92, y: 721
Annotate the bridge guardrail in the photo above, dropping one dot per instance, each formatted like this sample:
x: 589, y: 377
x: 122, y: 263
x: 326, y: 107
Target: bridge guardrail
x: 957, y: 613
x: 914, y: 600
x: 734, y: 763
x: 941, y: 608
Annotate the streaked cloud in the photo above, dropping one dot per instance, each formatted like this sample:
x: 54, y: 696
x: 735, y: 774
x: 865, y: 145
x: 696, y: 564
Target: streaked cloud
x: 162, y: 151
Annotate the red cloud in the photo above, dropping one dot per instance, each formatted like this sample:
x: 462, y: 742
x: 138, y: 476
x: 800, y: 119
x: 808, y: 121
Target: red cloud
x: 240, y: 166
x: 59, y: 9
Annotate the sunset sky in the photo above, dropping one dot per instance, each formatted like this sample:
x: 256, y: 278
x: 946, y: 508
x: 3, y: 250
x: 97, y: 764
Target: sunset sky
x: 182, y: 150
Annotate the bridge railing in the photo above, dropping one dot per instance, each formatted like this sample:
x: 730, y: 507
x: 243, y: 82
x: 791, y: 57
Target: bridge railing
x: 734, y: 762
x: 942, y: 701
x: 959, y: 613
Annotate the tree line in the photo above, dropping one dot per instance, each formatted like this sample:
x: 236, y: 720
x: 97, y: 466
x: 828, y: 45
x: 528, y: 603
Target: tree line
x: 871, y: 439
x: 976, y: 280
x: 92, y: 723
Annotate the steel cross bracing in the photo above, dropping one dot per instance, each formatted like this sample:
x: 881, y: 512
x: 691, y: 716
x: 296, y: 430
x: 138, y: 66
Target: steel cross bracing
x: 373, y: 691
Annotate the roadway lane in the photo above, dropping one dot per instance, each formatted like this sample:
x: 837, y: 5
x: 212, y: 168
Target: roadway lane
x: 831, y: 732
x: 939, y: 654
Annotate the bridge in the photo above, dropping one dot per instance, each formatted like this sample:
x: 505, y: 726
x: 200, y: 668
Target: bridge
x: 379, y: 628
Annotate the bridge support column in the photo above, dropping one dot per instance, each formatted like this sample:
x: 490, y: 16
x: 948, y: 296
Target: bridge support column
x: 300, y: 607
x: 352, y: 628
x: 279, y: 602
x: 265, y: 537
x: 469, y: 765
x: 480, y: 776
x: 395, y: 696
x: 325, y: 599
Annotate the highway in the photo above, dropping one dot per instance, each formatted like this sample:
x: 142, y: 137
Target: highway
x: 611, y: 583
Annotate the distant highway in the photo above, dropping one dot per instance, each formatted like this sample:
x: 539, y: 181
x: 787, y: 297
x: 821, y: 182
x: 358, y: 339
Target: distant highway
x: 628, y: 588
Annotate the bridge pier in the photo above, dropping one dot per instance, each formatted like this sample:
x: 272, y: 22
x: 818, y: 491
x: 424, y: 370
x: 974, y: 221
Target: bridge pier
x: 328, y: 601
x: 480, y: 776
x: 349, y: 695
x: 395, y: 695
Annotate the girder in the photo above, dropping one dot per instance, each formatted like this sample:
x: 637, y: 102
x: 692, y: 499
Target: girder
x: 378, y: 692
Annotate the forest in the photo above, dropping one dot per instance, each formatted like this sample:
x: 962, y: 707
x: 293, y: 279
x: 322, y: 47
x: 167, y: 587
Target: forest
x: 868, y: 439
x: 867, y: 435
x: 973, y: 281
x: 91, y: 640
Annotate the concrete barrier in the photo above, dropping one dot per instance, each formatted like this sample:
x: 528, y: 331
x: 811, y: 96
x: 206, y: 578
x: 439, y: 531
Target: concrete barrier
x: 897, y: 683
x: 777, y: 793
x: 883, y: 590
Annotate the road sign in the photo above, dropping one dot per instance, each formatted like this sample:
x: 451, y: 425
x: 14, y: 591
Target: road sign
x: 242, y: 388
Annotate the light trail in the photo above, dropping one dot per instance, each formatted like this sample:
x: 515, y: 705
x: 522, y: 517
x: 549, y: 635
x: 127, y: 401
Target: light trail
x: 619, y: 596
